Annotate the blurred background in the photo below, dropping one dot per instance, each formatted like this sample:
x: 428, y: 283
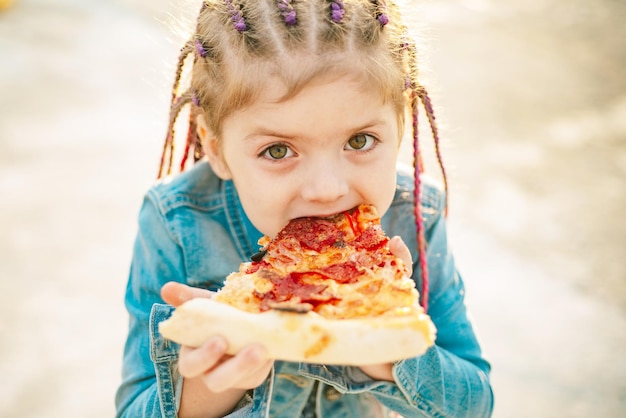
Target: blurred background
x: 531, y: 101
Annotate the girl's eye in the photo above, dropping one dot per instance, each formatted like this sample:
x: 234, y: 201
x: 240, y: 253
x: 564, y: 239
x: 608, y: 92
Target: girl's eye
x: 277, y: 152
x: 361, y: 142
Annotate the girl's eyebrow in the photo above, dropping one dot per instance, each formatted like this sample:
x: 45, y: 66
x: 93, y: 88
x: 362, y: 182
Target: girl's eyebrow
x: 264, y: 131
x: 369, y: 125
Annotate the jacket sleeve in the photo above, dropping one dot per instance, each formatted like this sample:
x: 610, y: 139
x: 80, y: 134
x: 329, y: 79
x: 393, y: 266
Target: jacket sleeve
x: 157, y: 259
x: 452, y: 378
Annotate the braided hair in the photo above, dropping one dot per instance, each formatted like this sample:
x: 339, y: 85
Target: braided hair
x: 238, y: 44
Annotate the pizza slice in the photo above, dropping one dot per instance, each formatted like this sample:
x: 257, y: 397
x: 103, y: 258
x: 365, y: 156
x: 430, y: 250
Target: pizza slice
x: 324, y: 290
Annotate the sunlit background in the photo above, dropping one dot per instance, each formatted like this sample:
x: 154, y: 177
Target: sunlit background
x: 531, y: 100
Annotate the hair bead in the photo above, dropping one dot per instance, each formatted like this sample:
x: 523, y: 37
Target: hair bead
x: 405, y: 43
x: 287, y: 12
x: 200, y: 49
x: 381, y: 16
x: 337, y: 11
x: 236, y: 17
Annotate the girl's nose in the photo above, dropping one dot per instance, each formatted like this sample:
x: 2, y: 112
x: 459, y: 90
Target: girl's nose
x: 325, y: 181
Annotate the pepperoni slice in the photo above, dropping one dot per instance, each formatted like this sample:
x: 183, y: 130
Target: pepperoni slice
x: 293, y: 286
x: 312, y: 233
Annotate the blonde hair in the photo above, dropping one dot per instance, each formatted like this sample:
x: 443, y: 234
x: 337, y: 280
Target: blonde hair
x: 237, y: 45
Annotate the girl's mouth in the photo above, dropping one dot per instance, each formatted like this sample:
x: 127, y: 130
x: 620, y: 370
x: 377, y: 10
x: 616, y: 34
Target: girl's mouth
x: 329, y: 215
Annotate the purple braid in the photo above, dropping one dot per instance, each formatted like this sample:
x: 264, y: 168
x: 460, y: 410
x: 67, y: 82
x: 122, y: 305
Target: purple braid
x: 236, y: 16
x: 405, y: 45
x: 407, y: 82
x: 287, y: 12
x: 337, y: 11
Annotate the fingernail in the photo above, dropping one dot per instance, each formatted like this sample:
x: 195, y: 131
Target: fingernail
x: 257, y: 354
x: 218, y: 346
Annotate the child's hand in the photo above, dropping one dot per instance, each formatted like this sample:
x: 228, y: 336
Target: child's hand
x: 379, y: 371
x: 209, y: 363
x: 220, y: 372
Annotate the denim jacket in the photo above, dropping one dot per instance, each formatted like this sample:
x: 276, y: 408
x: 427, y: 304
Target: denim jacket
x: 192, y: 229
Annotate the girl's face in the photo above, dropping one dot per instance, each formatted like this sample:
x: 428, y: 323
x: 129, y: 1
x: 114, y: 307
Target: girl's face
x: 327, y: 149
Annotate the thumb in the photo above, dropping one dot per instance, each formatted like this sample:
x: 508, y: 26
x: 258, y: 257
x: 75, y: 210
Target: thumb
x: 177, y: 293
x: 400, y: 250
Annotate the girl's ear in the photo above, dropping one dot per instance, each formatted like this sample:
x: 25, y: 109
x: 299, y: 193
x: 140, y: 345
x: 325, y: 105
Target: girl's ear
x: 211, y: 148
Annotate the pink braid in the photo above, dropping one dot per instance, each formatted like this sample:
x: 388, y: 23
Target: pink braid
x: 168, y: 147
x: 419, y: 220
x: 430, y: 114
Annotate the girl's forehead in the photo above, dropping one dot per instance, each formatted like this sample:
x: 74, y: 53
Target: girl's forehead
x: 343, y: 88
x: 285, y: 78
x: 281, y: 78
x: 283, y: 89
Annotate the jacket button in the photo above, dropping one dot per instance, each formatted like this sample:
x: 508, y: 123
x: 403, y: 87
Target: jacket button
x: 331, y: 394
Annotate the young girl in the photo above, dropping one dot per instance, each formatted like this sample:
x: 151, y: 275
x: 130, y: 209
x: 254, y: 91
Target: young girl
x: 297, y: 109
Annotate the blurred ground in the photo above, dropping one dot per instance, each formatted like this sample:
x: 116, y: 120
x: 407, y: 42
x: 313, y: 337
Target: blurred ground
x: 531, y: 98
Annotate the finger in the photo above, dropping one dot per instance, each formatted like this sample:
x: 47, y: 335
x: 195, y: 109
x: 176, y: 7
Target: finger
x: 193, y: 362
x: 400, y: 250
x: 248, y: 369
x: 238, y: 369
x: 379, y: 371
x: 177, y: 293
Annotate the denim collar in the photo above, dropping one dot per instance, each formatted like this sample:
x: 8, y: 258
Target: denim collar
x: 241, y: 227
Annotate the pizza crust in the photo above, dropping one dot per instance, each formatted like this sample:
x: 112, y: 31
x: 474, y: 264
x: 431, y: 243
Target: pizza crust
x: 303, y: 337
